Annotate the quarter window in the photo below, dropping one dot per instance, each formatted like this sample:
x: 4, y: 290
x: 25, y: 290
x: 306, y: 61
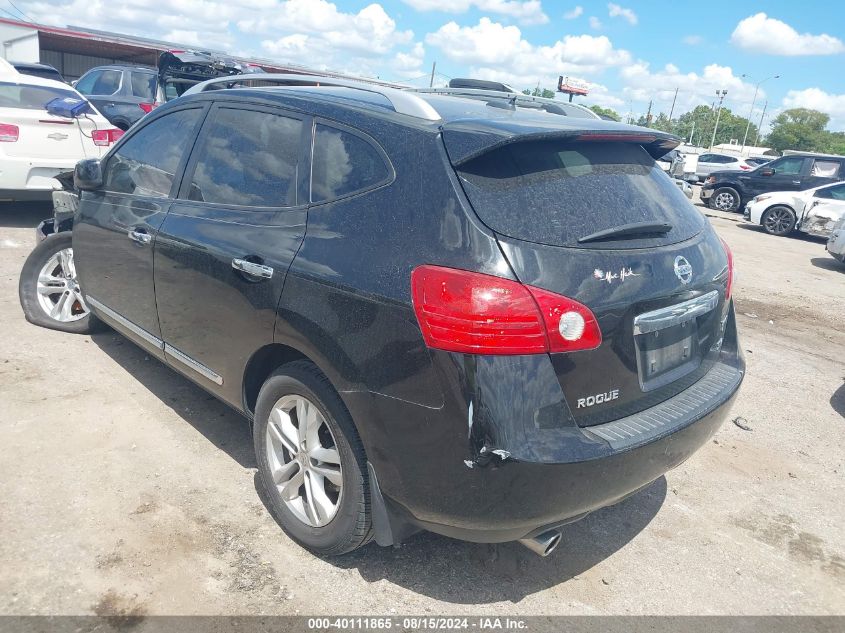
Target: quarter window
x: 146, y: 164
x: 825, y: 168
x: 248, y: 158
x: 344, y: 163
x: 144, y: 85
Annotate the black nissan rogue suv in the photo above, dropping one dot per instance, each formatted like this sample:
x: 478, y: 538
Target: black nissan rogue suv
x: 464, y: 316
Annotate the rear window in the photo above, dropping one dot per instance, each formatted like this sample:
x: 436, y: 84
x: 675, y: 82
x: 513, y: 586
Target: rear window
x: 30, y: 97
x: 555, y: 192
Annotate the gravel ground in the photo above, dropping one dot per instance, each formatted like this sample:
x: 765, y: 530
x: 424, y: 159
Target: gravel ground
x: 127, y: 490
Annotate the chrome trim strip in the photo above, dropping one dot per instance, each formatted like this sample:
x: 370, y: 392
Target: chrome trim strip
x: 675, y: 314
x: 190, y: 362
x: 403, y: 101
x: 124, y: 322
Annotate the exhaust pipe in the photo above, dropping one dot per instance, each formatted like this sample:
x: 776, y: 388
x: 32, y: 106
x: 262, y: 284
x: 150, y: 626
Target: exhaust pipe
x: 543, y: 544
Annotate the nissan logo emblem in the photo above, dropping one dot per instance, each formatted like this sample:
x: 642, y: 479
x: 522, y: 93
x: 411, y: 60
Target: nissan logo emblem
x: 683, y: 269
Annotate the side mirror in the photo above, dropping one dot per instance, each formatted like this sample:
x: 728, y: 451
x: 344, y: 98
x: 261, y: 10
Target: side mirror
x: 767, y: 171
x: 88, y: 174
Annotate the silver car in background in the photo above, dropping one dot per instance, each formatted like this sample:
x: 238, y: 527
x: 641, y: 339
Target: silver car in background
x: 710, y: 162
x: 836, y: 241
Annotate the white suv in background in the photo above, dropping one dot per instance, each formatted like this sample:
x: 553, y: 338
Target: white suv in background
x: 35, y: 145
x: 711, y: 161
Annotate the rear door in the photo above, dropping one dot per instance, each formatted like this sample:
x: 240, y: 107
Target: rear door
x: 115, y: 230
x: 224, y: 249
x: 548, y: 202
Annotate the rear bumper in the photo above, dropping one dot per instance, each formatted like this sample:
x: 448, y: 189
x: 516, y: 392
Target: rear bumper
x: 705, y: 194
x: 507, y: 464
x: 28, y: 179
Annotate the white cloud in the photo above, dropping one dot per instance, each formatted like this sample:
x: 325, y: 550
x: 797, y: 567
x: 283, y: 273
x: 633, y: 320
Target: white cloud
x: 576, y: 12
x: 524, y: 11
x: 615, y: 11
x: 762, y: 34
x: 641, y: 84
x: 693, y: 40
x: 818, y: 99
x: 499, y: 52
x: 595, y: 23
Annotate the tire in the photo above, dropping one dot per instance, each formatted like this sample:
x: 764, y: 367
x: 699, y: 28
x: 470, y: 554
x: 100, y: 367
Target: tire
x: 778, y: 220
x: 301, y: 514
x: 725, y: 199
x: 56, y: 304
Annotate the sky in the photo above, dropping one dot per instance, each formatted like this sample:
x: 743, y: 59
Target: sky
x: 629, y: 53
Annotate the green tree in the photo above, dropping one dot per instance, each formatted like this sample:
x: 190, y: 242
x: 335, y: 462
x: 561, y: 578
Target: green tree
x: 801, y: 129
x: 699, y: 124
x: 540, y: 92
x: 606, y: 112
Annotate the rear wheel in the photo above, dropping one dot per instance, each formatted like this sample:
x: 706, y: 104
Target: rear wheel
x: 49, y: 290
x: 311, y: 461
x: 779, y: 220
x: 725, y: 199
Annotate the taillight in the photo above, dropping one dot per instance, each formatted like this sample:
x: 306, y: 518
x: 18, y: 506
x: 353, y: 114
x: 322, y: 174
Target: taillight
x: 710, y: 179
x: 147, y: 107
x: 8, y: 133
x: 104, y: 138
x: 473, y: 313
x: 730, y: 283
x: 744, y: 167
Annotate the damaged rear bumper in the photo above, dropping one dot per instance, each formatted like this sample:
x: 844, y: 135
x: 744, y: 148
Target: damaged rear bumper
x: 500, y: 461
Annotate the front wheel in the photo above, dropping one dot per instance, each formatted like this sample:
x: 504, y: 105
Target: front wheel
x: 725, y: 199
x: 779, y: 221
x: 49, y: 290
x: 311, y: 461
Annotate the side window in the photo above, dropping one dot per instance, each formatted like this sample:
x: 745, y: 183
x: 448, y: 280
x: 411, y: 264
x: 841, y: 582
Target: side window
x: 825, y: 168
x: 837, y: 192
x: 143, y: 85
x: 726, y: 160
x: 344, y: 163
x: 705, y: 158
x: 790, y: 166
x: 248, y: 158
x: 86, y: 84
x: 107, y: 83
x: 146, y: 164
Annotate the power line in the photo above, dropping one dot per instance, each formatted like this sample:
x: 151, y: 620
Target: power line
x: 26, y: 17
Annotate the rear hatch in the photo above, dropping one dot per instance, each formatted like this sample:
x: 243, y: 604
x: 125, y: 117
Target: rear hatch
x: 42, y: 136
x: 592, y: 217
x: 179, y: 70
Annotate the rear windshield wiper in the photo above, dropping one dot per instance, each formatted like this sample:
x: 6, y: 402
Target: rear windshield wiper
x: 625, y: 231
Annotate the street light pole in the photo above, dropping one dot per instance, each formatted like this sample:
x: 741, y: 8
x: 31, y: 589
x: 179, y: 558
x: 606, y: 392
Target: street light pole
x: 751, y: 111
x: 760, y: 127
x: 721, y: 95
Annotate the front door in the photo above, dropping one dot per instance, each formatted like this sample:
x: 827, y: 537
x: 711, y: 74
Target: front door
x: 115, y: 230
x: 783, y: 174
x: 224, y: 249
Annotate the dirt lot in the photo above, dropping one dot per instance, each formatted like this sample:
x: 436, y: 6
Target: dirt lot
x: 126, y: 489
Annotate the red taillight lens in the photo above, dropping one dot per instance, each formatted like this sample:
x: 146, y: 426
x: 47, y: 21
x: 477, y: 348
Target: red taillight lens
x: 104, y: 138
x: 730, y: 283
x: 473, y: 313
x: 744, y: 167
x: 8, y: 133
x: 147, y: 107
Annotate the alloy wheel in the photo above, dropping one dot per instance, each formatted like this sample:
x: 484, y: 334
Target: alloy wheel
x: 778, y: 220
x: 304, y: 460
x: 724, y: 201
x: 58, y: 289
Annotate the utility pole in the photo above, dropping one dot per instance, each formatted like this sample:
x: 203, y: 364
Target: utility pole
x: 433, y: 66
x: 760, y: 127
x: 751, y: 111
x: 692, y: 132
x: 672, y: 110
x: 648, y: 115
x: 721, y: 96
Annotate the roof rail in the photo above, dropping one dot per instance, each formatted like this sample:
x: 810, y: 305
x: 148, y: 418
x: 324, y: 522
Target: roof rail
x: 517, y: 97
x: 403, y: 101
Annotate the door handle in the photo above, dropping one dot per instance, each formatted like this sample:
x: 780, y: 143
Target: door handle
x: 796, y: 182
x: 251, y: 268
x: 140, y: 236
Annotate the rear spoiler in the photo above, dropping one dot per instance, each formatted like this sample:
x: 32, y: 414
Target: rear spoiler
x: 466, y: 140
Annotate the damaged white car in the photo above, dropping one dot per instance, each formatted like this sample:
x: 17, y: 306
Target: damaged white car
x: 813, y: 211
